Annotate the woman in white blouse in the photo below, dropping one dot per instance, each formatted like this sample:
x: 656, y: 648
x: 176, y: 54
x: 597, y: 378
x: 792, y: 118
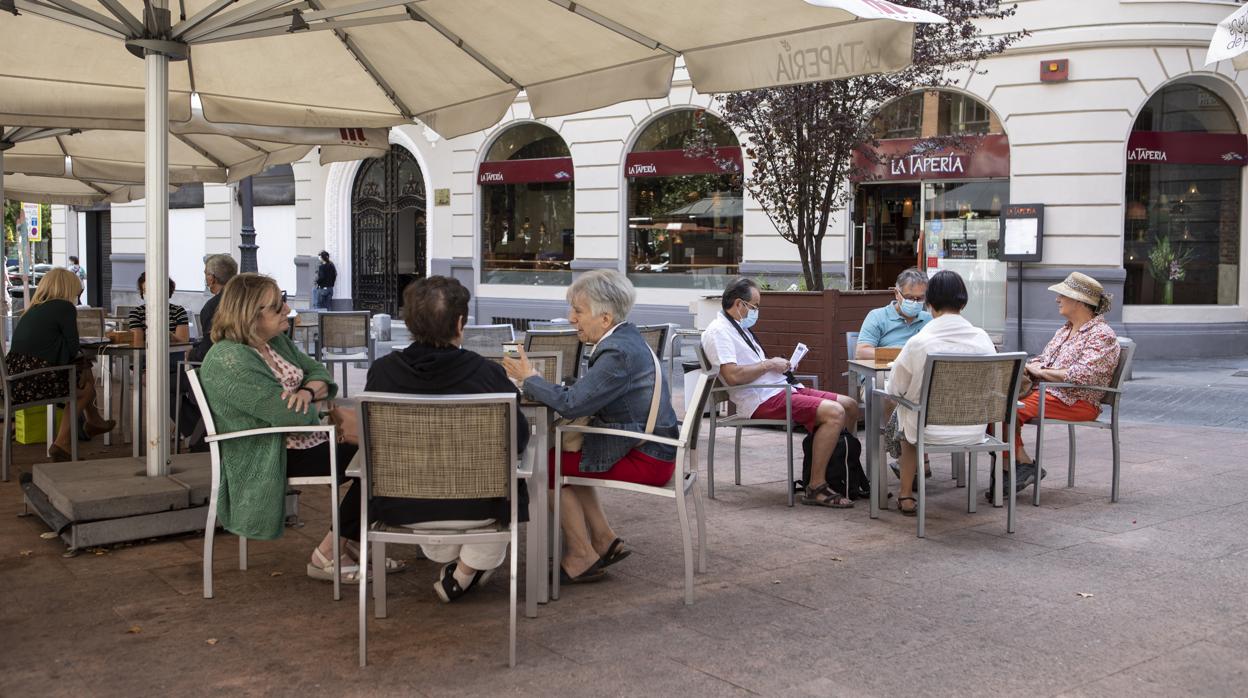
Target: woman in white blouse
x: 947, y: 333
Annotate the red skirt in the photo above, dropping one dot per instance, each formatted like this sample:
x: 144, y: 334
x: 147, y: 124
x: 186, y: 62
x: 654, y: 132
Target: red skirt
x: 635, y: 467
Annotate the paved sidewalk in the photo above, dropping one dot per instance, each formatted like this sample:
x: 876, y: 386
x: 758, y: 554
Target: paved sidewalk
x: 1144, y: 597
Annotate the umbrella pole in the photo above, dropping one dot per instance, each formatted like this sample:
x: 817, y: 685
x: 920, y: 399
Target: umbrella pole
x: 156, y: 265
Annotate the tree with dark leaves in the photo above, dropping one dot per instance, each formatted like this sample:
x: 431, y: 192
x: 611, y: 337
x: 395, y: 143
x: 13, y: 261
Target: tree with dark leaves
x: 801, y: 139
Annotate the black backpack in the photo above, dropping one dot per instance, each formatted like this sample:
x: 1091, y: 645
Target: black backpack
x: 846, y: 460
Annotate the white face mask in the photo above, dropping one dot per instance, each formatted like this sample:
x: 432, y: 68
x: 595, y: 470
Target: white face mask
x: 910, y: 308
x: 751, y: 317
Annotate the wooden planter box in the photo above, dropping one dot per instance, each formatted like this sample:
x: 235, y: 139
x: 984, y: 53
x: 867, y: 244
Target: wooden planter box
x: 820, y: 319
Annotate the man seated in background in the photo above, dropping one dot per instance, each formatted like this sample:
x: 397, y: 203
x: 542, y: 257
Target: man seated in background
x: 898, y: 321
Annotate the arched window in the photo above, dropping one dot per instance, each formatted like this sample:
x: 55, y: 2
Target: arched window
x: 1185, y: 159
x: 527, y: 208
x: 684, y: 213
x: 955, y: 114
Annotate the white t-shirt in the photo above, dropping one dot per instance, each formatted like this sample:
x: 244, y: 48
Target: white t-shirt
x: 947, y: 334
x: 723, y: 344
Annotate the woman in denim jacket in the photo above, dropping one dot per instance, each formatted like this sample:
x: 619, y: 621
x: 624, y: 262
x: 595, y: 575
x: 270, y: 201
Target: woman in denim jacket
x: 617, y: 392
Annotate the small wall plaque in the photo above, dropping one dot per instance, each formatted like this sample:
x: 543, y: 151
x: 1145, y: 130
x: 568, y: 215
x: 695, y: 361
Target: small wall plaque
x: 441, y: 197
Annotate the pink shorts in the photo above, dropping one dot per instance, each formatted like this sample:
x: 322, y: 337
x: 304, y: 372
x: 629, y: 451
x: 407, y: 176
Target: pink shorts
x: 805, y: 404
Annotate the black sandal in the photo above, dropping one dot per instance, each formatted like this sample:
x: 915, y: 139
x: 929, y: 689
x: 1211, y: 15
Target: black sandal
x: 615, y: 552
x: 595, y: 573
x: 824, y: 496
x: 908, y: 512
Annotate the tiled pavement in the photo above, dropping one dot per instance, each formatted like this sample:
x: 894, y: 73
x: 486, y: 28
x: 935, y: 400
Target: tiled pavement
x: 1144, y: 597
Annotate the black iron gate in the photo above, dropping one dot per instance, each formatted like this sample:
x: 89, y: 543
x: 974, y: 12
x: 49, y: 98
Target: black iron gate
x: 387, y: 230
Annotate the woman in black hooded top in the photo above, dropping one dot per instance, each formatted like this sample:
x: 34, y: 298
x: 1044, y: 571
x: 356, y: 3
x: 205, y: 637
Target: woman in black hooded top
x: 435, y: 310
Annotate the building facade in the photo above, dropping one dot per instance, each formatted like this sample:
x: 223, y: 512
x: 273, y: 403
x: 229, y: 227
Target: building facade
x: 1136, y: 152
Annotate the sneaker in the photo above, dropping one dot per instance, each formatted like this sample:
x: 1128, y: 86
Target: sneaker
x: 1027, y: 475
x: 447, y: 587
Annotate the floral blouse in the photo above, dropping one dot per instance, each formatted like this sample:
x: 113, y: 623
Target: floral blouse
x: 1089, y: 357
x: 291, y: 377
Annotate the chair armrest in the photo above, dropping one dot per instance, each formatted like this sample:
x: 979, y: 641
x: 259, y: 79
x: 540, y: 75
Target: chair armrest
x: 48, y: 369
x: 731, y: 388
x: 809, y: 377
x: 897, y: 399
x: 1042, y: 385
x: 616, y: 432
x: 329, y: 429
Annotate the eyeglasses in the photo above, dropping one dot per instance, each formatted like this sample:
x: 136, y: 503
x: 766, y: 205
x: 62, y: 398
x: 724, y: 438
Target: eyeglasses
x: 919, y: 298
x: 749, y: 305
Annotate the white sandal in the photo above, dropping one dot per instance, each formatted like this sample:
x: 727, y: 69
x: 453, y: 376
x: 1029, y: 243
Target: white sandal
x: 322, y: 568
x: 392, y: 565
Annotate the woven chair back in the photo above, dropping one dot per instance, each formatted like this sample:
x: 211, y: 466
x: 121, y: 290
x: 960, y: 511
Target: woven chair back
x: 90, y: 322
x: 487, y: 338
x: 548, y: 363
x: 123, y: 311
x: 343, y: 331
x: 970, y: 390
x: 451, y: 447
x: 1126, y: 354
x: 655, y: 336
x: 565, y: 342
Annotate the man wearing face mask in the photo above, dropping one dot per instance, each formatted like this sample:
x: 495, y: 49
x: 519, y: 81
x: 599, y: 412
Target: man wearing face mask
x: 897, y: 322
x: 732, y: 348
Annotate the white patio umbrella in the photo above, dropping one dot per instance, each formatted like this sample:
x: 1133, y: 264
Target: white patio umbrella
x: 1230, y: 40
x: 456, y: 65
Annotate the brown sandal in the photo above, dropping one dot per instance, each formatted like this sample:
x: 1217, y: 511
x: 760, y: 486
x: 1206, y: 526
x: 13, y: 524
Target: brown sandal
x: 908, y: 512
x: 824, y: 496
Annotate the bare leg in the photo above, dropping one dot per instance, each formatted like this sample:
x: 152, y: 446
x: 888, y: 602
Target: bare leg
x: 601, y: 534
x: 909, y: 466
x: 578, y: 552
x: 829, y: 420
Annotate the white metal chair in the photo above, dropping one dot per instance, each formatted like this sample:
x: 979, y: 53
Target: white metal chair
x: 487, y: 338
x: 435, y: 447
x: 656, y: 337
x: 721, y: 394
x: 1112, y: 397
x: 345, y: 337
x: 214, y: 439
x: 565, y: 342
x: 70, y: 401
x: 966, y: 390
x: 90, y: 322
x: 684, y: 480
x: 676, y: 345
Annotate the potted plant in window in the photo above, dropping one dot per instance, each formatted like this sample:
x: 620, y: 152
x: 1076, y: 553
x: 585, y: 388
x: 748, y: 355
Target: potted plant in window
x: 1168, y: 264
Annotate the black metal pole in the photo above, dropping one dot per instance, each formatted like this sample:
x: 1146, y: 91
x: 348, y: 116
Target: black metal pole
x: 247, y: 244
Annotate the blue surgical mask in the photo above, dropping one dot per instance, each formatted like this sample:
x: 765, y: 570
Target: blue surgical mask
x: 750, y: 318
x: 911, y: 308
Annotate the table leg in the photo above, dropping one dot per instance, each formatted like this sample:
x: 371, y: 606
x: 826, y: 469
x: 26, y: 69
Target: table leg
x: 541, y: 468
x: 106, y: 371
x: 875, y: 462
x: 136, y: 407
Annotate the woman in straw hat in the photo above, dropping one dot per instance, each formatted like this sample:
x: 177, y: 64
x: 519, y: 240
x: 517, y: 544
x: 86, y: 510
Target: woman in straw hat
x: 1084, y: 351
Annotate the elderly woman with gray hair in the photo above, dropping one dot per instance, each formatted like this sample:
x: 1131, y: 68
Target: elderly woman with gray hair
x: 618, y: 392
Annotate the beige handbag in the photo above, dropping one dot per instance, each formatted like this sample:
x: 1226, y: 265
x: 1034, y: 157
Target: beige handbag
x: 573, y: 440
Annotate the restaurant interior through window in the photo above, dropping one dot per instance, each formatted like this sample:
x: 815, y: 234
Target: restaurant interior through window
x: 932, y: 197
x: 684, y: 212
x: 527, y: 208
x: 1185, y: 160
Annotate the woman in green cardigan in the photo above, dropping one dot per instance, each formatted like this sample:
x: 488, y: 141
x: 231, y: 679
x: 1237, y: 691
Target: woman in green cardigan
x: 254, y: 377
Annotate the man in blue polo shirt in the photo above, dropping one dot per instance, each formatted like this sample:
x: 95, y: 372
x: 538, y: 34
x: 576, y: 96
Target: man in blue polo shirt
x: 898, y: 321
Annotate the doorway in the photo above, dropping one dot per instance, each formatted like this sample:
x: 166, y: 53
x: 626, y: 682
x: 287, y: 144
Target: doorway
x: 890, y: 216
x: 388, y: 243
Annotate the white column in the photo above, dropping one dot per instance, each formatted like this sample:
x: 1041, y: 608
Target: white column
x: 156, y: 263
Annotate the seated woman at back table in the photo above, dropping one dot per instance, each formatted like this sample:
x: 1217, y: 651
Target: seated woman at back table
x: 618, y: 392
x: 255, y: 377
x: 47, y: 335
x: 947, y: 333
x: 1084, y: 350
x: 435, y: 311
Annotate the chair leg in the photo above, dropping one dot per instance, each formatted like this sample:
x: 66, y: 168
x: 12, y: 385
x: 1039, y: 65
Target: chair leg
x: 345, y: 366
x: 9, y: 434
x: 682, y: 512
x: 957, y: 462
x: 177, y: 415
x: 242, y: 553
x: 72, y: 409
x: 379, y: 579
x: 736, y: 459
x: 922, y: 490
x: 511, y: 553
x: 1070, y: 471
x: 1011, y: 502
x: 788, y: 446
x: 335, y: 529
x: 1113, y: 489
x: 363, y: 609
x: 710, y: 457
x: 699, y: 510
x: 210, y: 530
x: 1035, y: 494
x: 972, y: 474
x: 557, y: 533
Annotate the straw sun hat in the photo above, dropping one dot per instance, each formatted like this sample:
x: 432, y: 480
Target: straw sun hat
x: 1084, y: 289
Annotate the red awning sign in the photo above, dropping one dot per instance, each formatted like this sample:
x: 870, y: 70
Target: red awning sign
x: 525, y: 171
x: 670, y: 163
x: 1186, y: 148
x: 990, y: 157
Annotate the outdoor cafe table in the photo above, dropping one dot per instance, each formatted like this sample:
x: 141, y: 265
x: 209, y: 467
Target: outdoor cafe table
x: 129, y: 356
x: 871, y: 372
